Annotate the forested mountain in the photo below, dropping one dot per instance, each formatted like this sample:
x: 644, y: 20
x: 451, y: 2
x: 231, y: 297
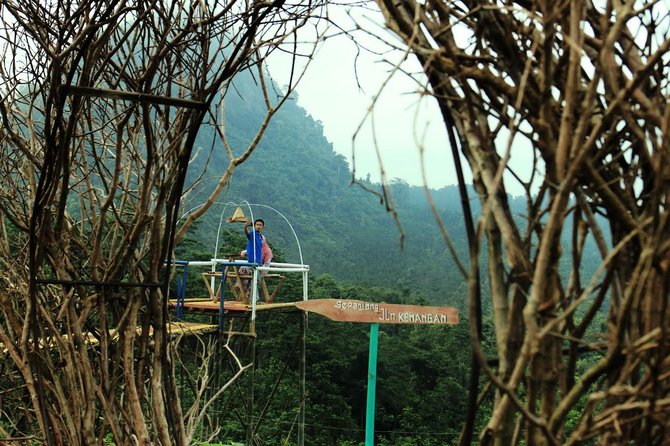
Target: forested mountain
x: 343, y: 230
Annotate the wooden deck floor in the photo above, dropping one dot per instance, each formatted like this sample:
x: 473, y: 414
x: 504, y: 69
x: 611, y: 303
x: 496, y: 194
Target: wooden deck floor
x: 174, y: 328
x: 179, y: 327
x: 207, y: 305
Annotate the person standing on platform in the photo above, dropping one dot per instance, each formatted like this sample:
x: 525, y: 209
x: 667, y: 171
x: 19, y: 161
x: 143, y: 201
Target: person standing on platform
x: 258, y: 250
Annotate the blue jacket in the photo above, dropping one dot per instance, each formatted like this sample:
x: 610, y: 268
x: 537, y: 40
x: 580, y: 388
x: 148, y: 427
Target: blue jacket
x: 254, y: 246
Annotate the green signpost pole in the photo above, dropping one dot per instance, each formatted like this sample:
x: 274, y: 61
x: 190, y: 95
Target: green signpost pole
x: 374, y: 313
x: 372, y: 387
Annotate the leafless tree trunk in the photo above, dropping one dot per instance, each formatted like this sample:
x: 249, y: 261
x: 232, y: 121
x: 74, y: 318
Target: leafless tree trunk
x: 101, y: 102
x: 578, y: 90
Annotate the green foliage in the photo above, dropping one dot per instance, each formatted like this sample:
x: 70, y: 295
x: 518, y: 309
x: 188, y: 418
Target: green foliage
x: 422, y: 377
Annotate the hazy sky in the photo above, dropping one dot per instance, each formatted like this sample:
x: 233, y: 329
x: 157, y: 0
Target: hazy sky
x: 401, y: 118
x: 404, y: 120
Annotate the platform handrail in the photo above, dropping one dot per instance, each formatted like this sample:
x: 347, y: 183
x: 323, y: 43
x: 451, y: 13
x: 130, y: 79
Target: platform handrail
x: 223, y: 264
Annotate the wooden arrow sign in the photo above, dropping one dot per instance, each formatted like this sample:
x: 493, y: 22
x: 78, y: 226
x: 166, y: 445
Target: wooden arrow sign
x: 374, y: 312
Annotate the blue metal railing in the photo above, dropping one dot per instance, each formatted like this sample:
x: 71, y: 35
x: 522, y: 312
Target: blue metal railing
x: 181, y: 288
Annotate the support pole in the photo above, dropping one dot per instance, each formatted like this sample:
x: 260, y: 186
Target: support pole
x: 222, y: 297
x: 372, y: 386
x: 250, y: 390
x: 303, y: 393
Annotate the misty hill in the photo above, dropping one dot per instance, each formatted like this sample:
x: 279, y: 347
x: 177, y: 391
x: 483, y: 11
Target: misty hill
x: 342, y: 230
